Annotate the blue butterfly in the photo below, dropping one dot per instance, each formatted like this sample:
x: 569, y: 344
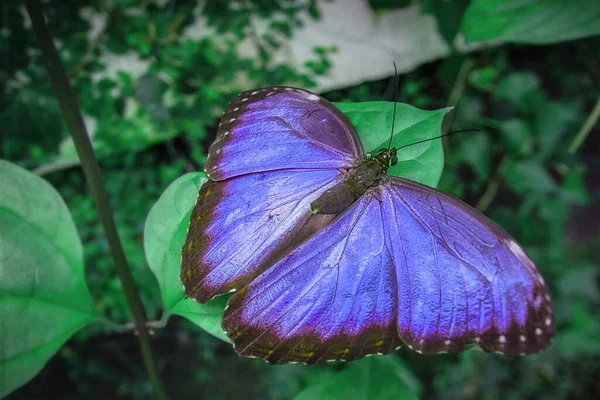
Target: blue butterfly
x: 333, y: 259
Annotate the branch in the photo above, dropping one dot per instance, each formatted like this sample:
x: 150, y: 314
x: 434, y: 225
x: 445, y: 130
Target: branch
x: 492, y: 188
x: 74, y: 120
x: 586, y: 128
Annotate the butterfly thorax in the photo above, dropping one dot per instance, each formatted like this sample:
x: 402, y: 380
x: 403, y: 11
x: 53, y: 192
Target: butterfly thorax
x: 358, y: 180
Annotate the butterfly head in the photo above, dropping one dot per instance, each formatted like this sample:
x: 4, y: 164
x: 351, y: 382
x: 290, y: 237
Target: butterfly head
x: 386, y: 158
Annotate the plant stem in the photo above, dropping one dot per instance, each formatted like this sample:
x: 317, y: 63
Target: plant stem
x: 586, y: 128
x: 74, y: 120
x: 492, y: 188
x: 457, y: 91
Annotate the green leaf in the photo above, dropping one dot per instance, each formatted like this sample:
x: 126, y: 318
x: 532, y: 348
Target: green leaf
x: 448, y: 15
x: 484, y: 78
x: 164, y: 236
x: 517, y: 136
x: 531, y: 21
x: 421, y: 162
x: 529, y: 176
x: 582, y: 337
x: 43, y: 296
x: 551, y: 125
x: 371, y: 378
x: 477, y: 152
x: 521, y: 89
x: 167, y: 223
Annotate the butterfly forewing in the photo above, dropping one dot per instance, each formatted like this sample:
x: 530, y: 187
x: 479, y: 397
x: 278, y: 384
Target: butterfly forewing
x: 281, y: 128
x: 277, y: 149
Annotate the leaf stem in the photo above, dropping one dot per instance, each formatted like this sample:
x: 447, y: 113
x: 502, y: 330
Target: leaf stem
x: 74, y: 120
x: 589, y: 123
x: 492, y: 188
x: 457, y: 91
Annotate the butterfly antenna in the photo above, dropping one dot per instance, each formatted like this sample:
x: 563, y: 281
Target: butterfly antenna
x: 395, y: 101
x: 441, y: 136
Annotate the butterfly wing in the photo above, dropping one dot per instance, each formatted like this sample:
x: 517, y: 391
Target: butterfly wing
x: 333, y: 297
x: 281, y: 128
x: 461, y: 279
x: 404, y: 264
x: 277, y: 149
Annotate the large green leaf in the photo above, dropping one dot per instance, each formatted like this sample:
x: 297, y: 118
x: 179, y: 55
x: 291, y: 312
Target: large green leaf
x: 164, y: 236
x: 531, y: 21
x: 167, y: 223
x: 43, y: 296
x: 376, y: 378
x: 421, y: 162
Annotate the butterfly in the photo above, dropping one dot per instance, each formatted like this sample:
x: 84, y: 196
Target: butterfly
x: 330, y: 258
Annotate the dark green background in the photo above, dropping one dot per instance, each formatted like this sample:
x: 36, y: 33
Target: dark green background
x: 529, y: 96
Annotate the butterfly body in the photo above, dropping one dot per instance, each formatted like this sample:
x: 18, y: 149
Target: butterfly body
x: 358, y: 180
x: 333, y: 259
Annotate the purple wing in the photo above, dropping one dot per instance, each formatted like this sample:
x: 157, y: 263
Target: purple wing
x: 333, y: 297
x: 238, y: 224
x: 404, y: 264
x: 277, y: 149
x: 461, y: 279
x: 281, y: 128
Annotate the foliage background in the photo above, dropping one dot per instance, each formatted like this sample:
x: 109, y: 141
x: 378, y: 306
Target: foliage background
x: 150, y: 129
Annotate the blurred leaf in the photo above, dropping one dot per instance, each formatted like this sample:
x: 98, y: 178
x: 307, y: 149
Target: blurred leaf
x: 43, y: 296
x: 517, y: 137
x: 531, y: 21
x: 376, y: 378
x: 477, y: 151
x: 520, y: 89
x: 551, y: 124
x: 582, y: 337
x: 448, y: 15
x: 164, y: 236
x: 581, y: 283
x: 484, y: 79
x: 529, y: 176
x: 421, y: 162
x: 574, y: 189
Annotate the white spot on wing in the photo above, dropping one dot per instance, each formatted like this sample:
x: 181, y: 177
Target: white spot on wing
x: 502, y: 339
x: 310, y: 96
x: 518, y: 251
x: 548, y: 321
x: 538, y: 331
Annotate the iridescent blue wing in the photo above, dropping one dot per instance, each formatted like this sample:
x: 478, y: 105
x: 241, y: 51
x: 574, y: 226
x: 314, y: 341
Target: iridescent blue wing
x: 404, y: 264
x: 462, y: 281
x: 333, y: 297
x: 281, y: 128
x: 277, y: 149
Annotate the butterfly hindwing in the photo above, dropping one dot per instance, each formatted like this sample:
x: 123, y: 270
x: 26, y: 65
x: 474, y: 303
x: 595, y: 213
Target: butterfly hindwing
x: 333, y: 297
x: 462, y: 280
